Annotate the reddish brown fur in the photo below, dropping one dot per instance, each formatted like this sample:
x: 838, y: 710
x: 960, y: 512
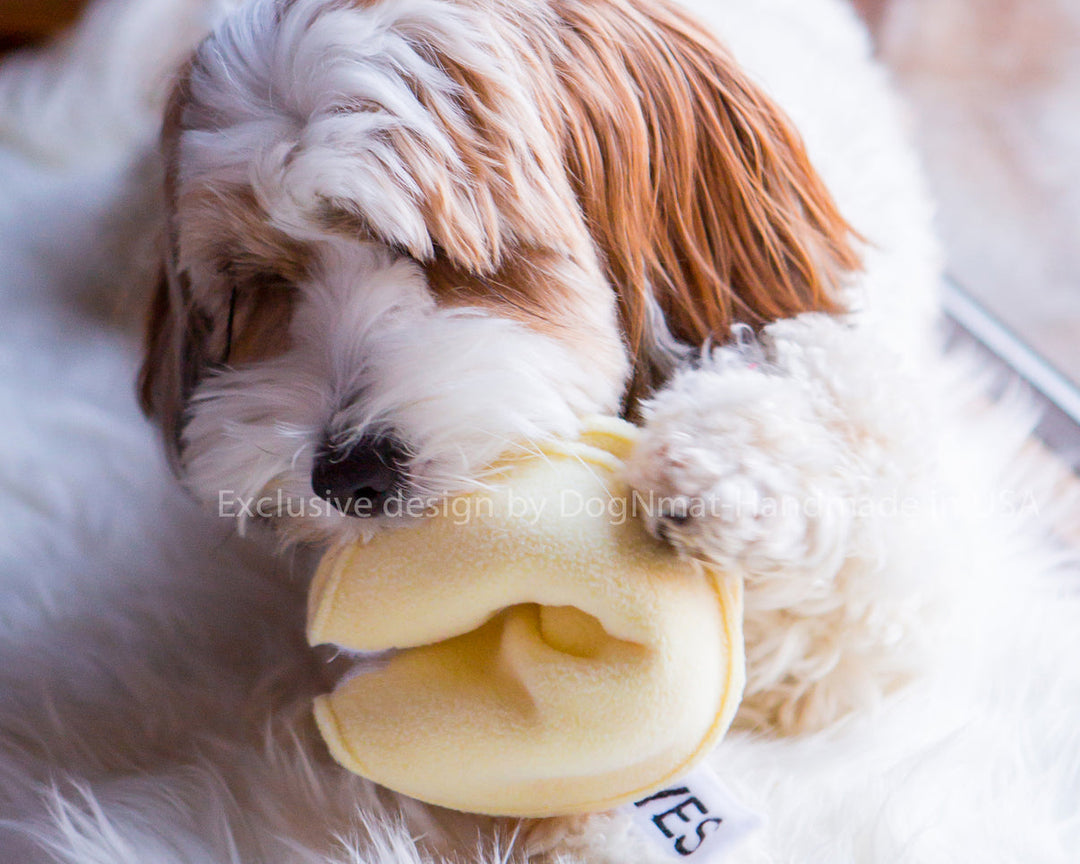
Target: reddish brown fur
x: 693, y: 182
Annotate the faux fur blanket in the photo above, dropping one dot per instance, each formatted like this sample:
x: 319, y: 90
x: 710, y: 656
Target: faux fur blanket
x: 154, y: 679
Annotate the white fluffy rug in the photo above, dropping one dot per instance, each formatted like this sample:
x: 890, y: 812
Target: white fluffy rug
x: 152, y: 669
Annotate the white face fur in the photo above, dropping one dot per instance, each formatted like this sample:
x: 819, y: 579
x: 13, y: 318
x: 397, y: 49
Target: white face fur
x: 372, y: 355
x: 292, y: 193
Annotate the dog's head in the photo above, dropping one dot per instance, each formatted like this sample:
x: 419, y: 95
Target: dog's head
x: 406, y: 236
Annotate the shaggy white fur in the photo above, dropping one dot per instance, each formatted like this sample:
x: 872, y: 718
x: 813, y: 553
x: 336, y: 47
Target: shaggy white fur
x: 154, y: 682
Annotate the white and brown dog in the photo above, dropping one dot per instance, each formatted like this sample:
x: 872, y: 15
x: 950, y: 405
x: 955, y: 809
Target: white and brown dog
x: 405, y: 236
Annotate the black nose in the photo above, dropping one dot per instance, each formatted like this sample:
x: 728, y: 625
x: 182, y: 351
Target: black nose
x: 359, y: 479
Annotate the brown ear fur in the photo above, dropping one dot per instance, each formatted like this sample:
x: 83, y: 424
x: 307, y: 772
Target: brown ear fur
x: 694, y: 184
x: 159, y: 386
x: 173, y: 359
x: 164, y: 378
x: 156, y: 329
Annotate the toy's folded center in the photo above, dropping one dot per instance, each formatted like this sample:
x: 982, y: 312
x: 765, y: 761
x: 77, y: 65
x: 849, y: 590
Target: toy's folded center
x: 552, y: 657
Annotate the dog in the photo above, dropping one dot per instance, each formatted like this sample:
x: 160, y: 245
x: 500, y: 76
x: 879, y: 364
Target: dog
x: 403, y: 238
x: 157, y: 686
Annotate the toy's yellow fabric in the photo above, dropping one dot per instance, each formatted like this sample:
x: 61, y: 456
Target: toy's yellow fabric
x: 554, y: 657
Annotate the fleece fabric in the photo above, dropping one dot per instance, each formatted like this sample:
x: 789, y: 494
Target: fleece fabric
x: 547, y: 655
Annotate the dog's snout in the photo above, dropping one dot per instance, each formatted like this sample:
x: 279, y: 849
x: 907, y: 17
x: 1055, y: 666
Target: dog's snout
x: 359, y: 479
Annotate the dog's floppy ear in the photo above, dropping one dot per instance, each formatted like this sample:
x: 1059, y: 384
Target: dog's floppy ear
x: 172, y: 360
x: 174, y: 330
x: 158, y: 390
x: 695, y: 185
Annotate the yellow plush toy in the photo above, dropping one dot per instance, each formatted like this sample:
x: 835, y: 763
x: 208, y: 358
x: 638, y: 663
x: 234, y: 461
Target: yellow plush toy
x: 553, y: 657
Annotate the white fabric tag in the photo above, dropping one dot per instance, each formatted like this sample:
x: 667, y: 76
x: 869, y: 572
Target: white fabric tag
x: 694, y: 818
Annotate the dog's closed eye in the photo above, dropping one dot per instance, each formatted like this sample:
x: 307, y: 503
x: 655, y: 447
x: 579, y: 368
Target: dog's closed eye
x: 256, y: 316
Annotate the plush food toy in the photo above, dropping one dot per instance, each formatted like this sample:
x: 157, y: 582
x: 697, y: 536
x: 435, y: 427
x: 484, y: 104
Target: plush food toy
x: 551, y: 656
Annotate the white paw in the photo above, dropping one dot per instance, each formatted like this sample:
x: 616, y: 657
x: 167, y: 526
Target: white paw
x: 736, y: 466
